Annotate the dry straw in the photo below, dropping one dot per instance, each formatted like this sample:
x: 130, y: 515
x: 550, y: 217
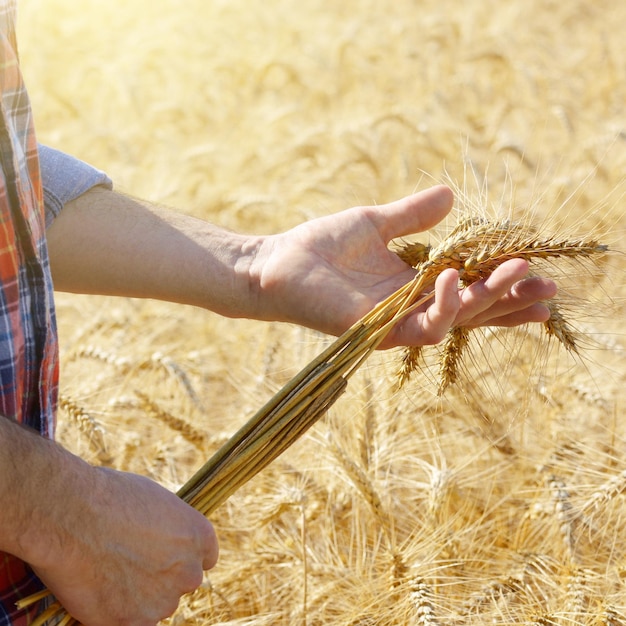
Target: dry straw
x: 88, y: 425
x: 476, y: 247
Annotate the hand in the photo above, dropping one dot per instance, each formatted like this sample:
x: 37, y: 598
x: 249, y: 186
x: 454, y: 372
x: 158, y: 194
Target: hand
x: 135, y: 549
x: 329, y: 272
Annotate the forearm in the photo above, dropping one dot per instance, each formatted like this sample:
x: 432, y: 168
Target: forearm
x: 43, y: 489
x: 106, y: 243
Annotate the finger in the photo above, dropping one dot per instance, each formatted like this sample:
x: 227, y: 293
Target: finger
x: 515, y: 308
x: 537, y: 312
x: 412, y: 214
x: 533, y: 288
x: 482, y: 295
x: 211, y: 548
x: 522, y: 303
x: 441, y: 314
x: 429, y: 327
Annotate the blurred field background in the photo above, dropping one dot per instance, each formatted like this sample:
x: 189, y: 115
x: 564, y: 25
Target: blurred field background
x: 498, y: 503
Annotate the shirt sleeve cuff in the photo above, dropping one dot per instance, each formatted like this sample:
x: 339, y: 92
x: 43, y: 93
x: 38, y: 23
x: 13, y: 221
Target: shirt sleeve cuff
x: 64, y: 178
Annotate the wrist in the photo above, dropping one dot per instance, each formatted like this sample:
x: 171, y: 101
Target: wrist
x: 249, y: 274
x: 47, y: 492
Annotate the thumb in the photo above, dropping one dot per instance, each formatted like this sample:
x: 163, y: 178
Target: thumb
x: 414, y: 213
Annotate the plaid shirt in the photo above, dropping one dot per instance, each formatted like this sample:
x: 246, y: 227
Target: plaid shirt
x: 28, y: 344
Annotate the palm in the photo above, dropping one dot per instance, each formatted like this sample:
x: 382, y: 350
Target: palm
x: 329, y: 272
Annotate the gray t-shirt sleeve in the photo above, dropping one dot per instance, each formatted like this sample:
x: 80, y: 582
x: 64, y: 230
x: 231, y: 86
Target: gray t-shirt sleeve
x: 64, y: 178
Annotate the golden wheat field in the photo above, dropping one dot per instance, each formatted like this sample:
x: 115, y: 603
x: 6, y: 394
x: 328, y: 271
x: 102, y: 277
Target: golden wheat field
x: 503, y: 500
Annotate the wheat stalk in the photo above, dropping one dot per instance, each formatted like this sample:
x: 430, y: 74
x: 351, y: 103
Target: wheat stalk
x: 421, y: 598
x: 564, y: 510
x: 364, y: 485
x: 88, y: 425
x: 186, y: 430
x: 476, y: 247
x: 612, y: 488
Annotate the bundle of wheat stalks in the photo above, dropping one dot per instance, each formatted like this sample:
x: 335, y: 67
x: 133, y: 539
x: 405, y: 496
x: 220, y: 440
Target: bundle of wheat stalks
x: 476, y: 247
